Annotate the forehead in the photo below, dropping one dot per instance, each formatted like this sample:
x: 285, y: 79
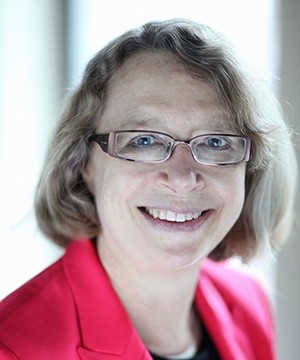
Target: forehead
x: 149, y: 89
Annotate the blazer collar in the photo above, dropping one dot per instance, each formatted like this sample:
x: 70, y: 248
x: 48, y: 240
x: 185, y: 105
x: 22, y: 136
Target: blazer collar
x: 106, y: 330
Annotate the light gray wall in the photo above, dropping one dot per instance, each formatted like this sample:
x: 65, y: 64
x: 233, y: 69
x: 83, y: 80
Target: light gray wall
x: 288, y: 275
x: 31, y: 79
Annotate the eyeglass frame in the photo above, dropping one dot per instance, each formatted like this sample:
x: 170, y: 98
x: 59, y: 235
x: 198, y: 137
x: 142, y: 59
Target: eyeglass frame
x: 106, y: 142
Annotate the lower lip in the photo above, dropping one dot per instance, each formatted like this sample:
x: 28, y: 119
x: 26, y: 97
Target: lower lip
x: 186, y: 226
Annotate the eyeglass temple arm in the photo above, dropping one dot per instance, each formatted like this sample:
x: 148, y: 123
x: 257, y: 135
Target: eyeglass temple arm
x: 101, y: 140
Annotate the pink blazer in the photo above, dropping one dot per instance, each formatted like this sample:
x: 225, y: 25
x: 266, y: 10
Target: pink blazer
x: 70, y: 311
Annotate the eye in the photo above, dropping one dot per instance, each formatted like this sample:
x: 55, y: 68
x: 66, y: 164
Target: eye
x: 143, y: 141
x: 218, y: 143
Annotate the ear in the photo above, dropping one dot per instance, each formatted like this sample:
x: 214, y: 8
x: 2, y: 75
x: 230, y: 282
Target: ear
x: 88, y: 177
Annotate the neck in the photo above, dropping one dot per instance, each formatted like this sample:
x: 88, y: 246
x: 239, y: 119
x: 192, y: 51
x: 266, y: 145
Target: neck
x: 159, y: 302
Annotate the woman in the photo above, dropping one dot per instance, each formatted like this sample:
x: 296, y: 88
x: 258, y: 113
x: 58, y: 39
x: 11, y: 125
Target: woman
x: 168, y: 158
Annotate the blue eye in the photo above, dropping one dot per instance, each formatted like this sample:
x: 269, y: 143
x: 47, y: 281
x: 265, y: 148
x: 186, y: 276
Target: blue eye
x: 218, y: 143
x: 143, y: 141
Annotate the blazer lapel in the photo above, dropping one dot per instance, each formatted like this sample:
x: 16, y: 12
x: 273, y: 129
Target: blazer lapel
x: 134, y: 350
x: 214, y: 312
x: 106, y: 330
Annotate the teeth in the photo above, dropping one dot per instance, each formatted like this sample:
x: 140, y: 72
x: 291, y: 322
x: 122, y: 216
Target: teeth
x: 172, y: 216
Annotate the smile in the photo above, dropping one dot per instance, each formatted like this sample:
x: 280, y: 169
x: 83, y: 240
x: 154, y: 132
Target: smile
x: 173, y: 216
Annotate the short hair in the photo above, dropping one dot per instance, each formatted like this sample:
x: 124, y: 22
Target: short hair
x: 65, y: 208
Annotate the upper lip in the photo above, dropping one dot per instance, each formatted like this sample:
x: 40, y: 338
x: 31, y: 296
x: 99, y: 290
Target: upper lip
x: 173, y: 215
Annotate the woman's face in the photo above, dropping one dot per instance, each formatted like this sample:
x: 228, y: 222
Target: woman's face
x: 174, y: 213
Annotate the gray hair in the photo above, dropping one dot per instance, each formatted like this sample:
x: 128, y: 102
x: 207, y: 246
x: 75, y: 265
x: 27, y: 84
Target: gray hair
x: 65, y: 209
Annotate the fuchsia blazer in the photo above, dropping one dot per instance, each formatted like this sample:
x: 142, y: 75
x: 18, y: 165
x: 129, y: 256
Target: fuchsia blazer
x: 70, y: 311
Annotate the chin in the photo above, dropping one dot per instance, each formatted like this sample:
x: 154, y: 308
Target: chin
x: 181, y: 258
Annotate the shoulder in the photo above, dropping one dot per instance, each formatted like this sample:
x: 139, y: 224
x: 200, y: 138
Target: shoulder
x: 43, y: 303
x: 235, y: 287
x: 33, y: 290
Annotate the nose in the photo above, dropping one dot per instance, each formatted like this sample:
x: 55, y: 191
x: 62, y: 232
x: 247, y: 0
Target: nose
x: 181, y: 173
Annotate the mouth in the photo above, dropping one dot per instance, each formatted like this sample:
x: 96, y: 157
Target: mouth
x: 171, y: 216
x: 173, y: 221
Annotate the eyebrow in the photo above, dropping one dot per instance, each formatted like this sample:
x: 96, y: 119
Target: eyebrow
x: 219, y: 124
x: 143, y: 122
x: 213, y: 124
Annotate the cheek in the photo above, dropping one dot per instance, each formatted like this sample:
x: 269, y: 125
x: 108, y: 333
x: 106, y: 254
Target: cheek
x: 115, y: 182
x: 227, y: 186
x: 234, y: 191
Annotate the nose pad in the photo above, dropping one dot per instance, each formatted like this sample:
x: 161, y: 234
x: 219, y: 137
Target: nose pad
x: 181, y: 172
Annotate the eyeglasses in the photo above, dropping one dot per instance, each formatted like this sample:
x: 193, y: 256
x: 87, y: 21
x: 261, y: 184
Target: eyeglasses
x: 156, y: 147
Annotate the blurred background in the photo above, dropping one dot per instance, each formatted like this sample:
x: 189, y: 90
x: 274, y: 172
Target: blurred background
x: 44, y: 46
